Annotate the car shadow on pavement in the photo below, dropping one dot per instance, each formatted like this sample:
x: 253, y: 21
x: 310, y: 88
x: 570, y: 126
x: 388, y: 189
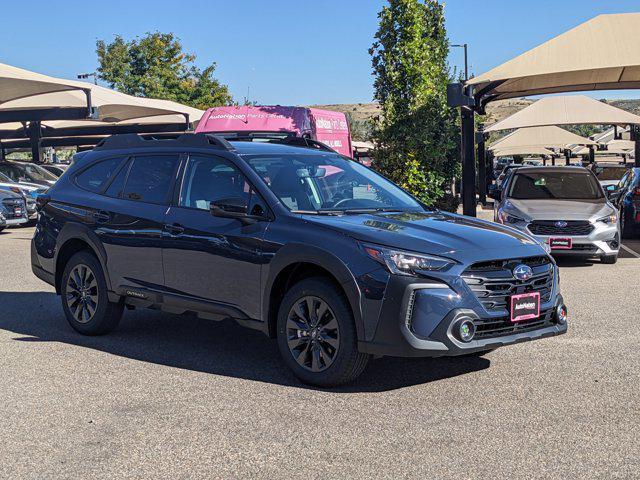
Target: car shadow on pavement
x: 220, y: 348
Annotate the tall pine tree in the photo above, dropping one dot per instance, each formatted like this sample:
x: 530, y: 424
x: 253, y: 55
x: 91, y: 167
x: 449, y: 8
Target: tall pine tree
x: 416, y: 135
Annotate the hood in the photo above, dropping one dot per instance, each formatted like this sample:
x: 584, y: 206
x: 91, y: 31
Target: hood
x: 461, y: 238
x: 6, y: 193
x: 29, y: 187
x: 559, y: 209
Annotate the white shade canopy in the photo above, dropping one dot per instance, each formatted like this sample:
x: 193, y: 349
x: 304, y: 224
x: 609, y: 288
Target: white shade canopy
x: 549, y: 136
x: 524, y: 150
x: 16, y: 83
x: 566, y: 110
x: 600, y: 54
x: 111, y: 106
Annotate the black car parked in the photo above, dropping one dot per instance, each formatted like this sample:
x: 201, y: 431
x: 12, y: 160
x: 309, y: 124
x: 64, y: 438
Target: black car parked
x: 300, y: 243
x: 626, y: 197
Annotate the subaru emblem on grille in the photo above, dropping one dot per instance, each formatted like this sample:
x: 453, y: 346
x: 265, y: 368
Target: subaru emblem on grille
x: 523, y: 272
x: 561, y: 224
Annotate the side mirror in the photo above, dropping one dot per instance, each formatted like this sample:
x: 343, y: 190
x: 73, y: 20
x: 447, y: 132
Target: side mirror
x: 236, y: 207
x: 495, y: 194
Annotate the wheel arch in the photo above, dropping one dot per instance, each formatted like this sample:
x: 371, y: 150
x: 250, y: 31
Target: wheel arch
x: 74, y: 238
x: 296, y: 262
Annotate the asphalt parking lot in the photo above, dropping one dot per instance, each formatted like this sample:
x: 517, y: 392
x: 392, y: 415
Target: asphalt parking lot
x: 175, y: 397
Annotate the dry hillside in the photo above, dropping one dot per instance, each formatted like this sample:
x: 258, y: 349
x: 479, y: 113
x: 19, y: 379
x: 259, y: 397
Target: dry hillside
x: 361, y: 113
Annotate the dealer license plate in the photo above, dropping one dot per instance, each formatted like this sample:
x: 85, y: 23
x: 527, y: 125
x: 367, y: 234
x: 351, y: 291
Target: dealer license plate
x: 525, y: 306
x: 560, y: 243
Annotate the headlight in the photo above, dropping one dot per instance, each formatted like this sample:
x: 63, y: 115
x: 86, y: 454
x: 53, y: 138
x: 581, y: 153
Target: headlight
x: 613, y: 218
x: 546, y: 246
x: 406, y: 263
x: 506, y: 218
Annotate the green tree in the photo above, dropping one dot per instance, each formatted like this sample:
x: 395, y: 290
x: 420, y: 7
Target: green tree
x: 416, y: 135
x: 155, y: 66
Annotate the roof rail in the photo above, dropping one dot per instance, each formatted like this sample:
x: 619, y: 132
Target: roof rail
x: 133, y: 140
x: 283, y: 138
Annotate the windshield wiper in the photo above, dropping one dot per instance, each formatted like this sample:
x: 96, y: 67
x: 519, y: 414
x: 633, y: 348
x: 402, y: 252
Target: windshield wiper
x: 318, y: 212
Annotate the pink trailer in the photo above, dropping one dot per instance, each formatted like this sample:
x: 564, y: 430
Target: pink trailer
x: 326, y: 126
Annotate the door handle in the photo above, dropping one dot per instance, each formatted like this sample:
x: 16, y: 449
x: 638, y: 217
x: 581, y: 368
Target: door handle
x: 101, y: 216
x: 174, y: 228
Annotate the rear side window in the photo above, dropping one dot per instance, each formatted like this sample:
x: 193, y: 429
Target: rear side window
x: 97, y: 176
x: 150, y: 178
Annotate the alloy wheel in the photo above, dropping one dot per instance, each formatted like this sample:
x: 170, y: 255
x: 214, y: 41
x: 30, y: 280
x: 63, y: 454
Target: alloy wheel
x: 313, y: 333
x: 82, y: 293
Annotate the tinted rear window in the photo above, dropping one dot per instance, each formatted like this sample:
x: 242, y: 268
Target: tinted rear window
x: 97, y: 176
x: 554, y: 185
x: 150, y: 178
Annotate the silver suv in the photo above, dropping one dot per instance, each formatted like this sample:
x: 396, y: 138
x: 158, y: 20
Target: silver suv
x: 564, y: 208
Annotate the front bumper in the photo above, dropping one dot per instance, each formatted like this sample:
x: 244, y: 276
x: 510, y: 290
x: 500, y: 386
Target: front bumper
x: 16, y: 221
x: 423, y: 325
x: 604, y: 239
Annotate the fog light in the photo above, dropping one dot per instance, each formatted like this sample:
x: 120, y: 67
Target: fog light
x: 561, y: 313
x: 466, y: 330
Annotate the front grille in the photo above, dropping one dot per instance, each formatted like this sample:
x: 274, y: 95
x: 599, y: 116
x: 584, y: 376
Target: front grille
x: 549, y: 227
x: 493, y: 282
x: 498, y: 327
x: 584, y: 247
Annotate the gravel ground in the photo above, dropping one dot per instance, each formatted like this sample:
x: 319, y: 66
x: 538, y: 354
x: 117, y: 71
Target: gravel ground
x: 175, y: 397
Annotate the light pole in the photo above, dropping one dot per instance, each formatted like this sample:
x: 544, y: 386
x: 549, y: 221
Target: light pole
x: 466, y: 65
x: 84, y: 76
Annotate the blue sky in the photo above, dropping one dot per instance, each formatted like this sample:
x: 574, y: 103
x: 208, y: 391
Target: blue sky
x: 284, y: 51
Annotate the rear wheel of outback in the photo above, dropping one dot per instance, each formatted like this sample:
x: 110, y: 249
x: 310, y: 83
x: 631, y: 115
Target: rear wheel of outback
x: 317, y: 335
x: 84, y: 296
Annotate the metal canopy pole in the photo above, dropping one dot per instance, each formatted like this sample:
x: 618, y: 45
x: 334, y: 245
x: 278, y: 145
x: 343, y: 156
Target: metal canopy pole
x: 635, y: 136
x: 482, y: 165
x: 468, y: 162
x: 35, y: 135
x: 567, y: 156
x: 592, y: 155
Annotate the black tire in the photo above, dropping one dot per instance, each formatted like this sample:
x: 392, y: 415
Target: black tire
x: 334, y: 366
x: 609, y: 259
x: 98, y: 315
x: 2, y: 228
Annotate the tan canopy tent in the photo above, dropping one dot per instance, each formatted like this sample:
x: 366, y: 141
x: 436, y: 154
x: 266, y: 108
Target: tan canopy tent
x: 33, y: 106
x: 623, y: 145
x: 523, y: 150
x: 600, y: 54
x: 16, y: 83
x: 549, y: 136
x: 109, y: 105
x: 566, y: 110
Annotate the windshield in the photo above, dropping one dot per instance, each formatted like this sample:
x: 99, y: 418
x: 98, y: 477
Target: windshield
x: 610, y: 173
x: 37, y: 173
x: 26, y: 172
x: 5, y: 179
x: 554, y: 185
x: 328, y: 183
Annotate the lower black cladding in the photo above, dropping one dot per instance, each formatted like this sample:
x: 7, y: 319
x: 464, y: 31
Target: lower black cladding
x: 499, y: 327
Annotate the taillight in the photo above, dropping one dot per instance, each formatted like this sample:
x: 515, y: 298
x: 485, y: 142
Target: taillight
x: 16, y: 190
x: 636, y: 192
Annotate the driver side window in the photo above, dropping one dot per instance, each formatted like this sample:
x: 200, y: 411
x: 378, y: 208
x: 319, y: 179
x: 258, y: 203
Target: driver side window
x: 212, y: 179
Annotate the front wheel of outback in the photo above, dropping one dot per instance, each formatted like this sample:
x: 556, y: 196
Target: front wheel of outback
x: 317, y: 335
x: 84, y: 296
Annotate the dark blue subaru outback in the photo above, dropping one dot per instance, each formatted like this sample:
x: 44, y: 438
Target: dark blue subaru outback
x: 305, y: 245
